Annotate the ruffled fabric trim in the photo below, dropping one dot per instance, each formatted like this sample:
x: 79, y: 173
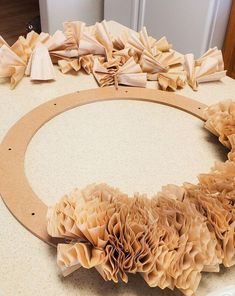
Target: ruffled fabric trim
x: 170, y: 239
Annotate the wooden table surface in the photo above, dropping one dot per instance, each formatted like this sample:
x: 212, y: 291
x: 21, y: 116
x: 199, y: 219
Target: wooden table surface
x: 14, y: 15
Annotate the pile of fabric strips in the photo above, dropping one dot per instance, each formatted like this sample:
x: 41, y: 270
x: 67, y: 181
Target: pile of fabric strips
x: 130, y: 58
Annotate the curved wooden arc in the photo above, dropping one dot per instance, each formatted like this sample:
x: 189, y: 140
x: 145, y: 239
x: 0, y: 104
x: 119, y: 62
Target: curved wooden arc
x: 15, y: 189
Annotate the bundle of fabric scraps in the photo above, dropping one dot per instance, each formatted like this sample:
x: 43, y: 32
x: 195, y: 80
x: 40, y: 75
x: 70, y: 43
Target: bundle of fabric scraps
x: 97, y: 52
x: 171, y: 238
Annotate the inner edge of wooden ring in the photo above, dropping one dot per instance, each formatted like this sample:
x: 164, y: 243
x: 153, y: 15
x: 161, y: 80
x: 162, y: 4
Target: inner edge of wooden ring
x: 15, y: 189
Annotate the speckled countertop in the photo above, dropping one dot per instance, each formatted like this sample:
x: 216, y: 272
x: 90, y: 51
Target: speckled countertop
x: 136, y: 146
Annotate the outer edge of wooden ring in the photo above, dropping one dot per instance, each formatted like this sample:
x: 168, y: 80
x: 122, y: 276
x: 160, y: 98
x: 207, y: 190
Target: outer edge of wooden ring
x: 15, y: 189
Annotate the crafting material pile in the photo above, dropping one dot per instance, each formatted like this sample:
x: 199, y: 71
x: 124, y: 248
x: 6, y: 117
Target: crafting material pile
x: 128, y: 59
x: 170, y: 239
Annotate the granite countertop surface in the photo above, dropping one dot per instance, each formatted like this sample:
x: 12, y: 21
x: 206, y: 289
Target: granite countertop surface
x: 136, y: 146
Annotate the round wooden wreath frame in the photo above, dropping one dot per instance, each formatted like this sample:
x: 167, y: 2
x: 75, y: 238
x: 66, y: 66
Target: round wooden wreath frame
x: 15, y: 189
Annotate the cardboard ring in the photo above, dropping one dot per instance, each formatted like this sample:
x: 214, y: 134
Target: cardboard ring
x: 15, y: 189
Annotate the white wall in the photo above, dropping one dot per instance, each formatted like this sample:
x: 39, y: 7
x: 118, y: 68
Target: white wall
x: 123, y: 11
x: 191, y: 25
x: 54, y: 12
x: 221, y: 21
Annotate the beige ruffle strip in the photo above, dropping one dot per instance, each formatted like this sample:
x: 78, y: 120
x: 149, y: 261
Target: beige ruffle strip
x: 78, y: 46
x: 221, y: 121
x: 171, y: 80
x: 169, y: 239
x: 209, y: 67
x: 130, y: 73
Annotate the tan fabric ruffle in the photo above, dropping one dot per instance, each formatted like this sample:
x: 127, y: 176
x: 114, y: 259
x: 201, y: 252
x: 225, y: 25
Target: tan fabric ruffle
x: 171, y: 80
x: 11, y: 65
x: 162, y: 44
x: 96, y: 41
x: 35, y: 68
x: 221, y: 121
x: 150, y: 64
x: 218, y: 210
x: 124, y: 55
x: 142, y: 41
x: 57, y: 46
x: 73, y: 32
x: 103, y: 36
x: 165, y: 238
x: 130, y: 73
x: 14, y: 59
x: 209, y: 67
x: 120, y: 41
x: 24, y: 46
x: 85, y: 62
